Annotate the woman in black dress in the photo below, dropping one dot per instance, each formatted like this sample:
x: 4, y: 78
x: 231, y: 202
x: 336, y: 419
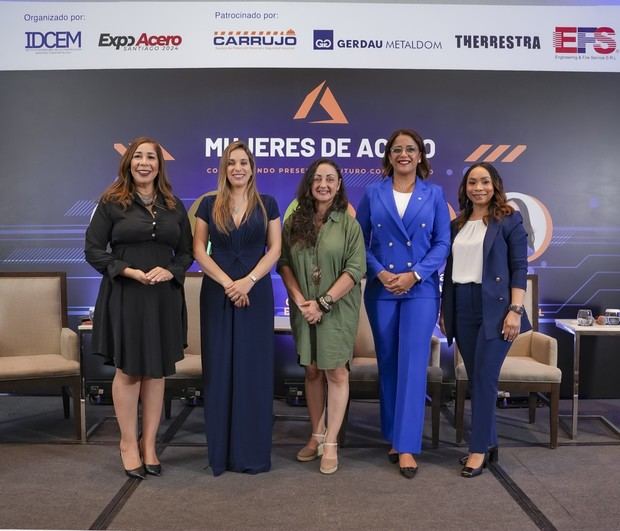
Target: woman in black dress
x: 139, y: 239
x: 236, y: 314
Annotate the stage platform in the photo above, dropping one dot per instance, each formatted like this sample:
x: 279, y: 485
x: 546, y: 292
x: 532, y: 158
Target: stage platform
x: 50, y: 481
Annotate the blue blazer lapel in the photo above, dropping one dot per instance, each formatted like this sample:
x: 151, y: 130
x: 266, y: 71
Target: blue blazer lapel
x: 386, y: 195
x: 492, y: 231
x: 418, y: 200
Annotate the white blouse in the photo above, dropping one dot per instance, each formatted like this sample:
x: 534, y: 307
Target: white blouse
x: 467, y: 253
x: 402, y: 200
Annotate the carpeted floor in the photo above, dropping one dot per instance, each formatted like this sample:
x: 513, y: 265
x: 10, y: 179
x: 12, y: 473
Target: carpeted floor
x: 50, y: 481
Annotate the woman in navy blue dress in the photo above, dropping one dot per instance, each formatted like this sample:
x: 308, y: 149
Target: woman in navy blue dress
x: 236, y: 314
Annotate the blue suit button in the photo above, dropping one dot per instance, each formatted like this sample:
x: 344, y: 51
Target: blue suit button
x: 498, y: 279
x: 501, y: 299
x: 391, y: 266
x: 423, y: 225
x: 390, y: 244
x: 409, y: 264
x: 408, y: 244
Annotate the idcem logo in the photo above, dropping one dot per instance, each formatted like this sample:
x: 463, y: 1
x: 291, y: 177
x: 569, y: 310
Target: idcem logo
x: 255, y: 39
x: 53, y: 41
x: 144, y: 42
x: 574, y: 40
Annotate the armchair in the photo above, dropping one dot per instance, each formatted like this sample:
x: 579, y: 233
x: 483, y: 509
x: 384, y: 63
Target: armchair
x: 39, y: 354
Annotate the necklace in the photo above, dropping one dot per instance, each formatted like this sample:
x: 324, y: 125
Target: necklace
x: 147, y: 200
x: 236, y: 208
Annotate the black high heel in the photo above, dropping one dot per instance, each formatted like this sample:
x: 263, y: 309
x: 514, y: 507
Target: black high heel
x: 469, y: 472
x: 134, y: 473
x: 493, y: 456
x: 153, y: 470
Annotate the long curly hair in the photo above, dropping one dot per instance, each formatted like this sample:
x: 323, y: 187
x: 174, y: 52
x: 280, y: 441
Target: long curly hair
x: 498, y: 207
x: 123, y: 189
x: 222, y: 209
x: 423, y: 169
x: 303, y: 229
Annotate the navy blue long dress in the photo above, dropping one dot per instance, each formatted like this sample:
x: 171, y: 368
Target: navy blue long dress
x: 237, y: 349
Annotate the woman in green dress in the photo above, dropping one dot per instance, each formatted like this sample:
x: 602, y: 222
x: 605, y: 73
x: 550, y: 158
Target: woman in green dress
x: 322, y: 264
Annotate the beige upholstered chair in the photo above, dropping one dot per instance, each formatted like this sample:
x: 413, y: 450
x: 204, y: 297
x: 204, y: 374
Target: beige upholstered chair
x: 530, y: 368
x: 364, y: 377
x: 39, y: 354
x: 187, y: 382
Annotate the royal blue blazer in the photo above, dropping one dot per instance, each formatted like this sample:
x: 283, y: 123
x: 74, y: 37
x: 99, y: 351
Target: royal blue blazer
x: 504, y: 266
x: 419, y: 242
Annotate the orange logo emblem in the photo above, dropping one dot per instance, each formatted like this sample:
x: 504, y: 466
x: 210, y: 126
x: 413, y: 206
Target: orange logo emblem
x: 120, y: 149
x: 483, y: 151
x: 327, y: 101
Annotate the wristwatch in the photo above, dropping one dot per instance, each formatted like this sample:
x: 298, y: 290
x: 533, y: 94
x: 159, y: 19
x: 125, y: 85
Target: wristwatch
x: 516, y: 308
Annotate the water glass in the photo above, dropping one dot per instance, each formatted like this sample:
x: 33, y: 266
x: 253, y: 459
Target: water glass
x: 585, y: 318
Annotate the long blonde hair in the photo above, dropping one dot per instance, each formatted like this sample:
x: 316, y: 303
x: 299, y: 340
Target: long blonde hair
x: 222, y: 212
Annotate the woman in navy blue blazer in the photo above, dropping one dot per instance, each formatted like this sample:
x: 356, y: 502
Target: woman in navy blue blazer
x: 406, y: 227
x: 482, y: 299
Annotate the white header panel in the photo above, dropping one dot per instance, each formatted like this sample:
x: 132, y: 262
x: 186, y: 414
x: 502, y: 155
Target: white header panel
x: 118, y: 35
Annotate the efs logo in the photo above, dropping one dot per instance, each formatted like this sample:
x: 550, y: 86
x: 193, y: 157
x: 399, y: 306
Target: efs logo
x: 323, y: 40
x: 53, y: 40
x: 571, y: 39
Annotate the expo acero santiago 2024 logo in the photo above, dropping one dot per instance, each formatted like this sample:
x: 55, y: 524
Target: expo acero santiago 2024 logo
x: 142, y: 42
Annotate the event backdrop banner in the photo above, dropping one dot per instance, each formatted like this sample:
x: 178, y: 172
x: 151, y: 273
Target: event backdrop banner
x: 69, y: 108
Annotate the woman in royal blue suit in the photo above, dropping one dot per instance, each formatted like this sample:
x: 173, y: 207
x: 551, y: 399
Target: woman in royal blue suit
x: 406, y: 228
x: 482, y: 300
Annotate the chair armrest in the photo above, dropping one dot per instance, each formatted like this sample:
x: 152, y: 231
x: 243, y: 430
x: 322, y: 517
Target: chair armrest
x: 544, y: 349
x: 435, y: 359
x: 69, y: 345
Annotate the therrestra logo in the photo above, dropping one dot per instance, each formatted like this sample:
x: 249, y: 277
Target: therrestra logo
x: 583, y: 40
x: 327, y: 101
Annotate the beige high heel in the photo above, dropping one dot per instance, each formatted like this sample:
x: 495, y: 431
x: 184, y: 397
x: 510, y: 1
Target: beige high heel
x: 308, y: 454
x: 329, y: 465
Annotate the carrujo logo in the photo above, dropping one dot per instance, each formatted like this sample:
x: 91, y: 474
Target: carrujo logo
x: 326, y: 100
x: 53, y: 40
x: 492, y: 152
x: 255, y: 39
x: 323, y: 40
x: 581, y: 40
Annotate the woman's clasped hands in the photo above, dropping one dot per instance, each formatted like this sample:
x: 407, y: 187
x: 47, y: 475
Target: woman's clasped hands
x: 237, y: 291
x: 397, y: 283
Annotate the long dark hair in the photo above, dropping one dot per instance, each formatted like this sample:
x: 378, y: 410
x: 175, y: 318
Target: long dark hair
x: 122, y: 190
x: 303, y: 229
x: 498, y: 207
x: 423, y: 169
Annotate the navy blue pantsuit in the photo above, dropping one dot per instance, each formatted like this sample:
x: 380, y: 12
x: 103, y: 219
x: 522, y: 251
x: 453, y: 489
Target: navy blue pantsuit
x: 474, y: 315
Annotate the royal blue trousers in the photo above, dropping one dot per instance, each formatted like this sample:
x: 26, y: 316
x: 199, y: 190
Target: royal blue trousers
x: 483, y: 360
x: 402, y: 331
